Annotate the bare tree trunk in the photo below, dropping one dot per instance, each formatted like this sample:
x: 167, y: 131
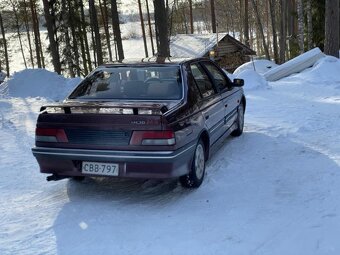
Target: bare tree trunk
x: 191, y: 17
x: 54, y: 49
x: 36, y: 36
x: 80, y: 36
x: 299, y: 9
x: 150, y: 27
x: 161, y: 22
x: 94, y: 24
x: 143, y: 28
x: 94, y: 47
x: 259, y: 23
x: 213, y: 16
x: 185, y: 21
x: 291, y: 28
x: 116, y: 29
x: 84, y: 33
x: 332, y: 28
x: 246, y: 23
x: 17, y: 26
x: 272, y: 15
x: 72, y: 24
x: 4, y: 44
x: 241, y: 21
x: 309, y: 24
x: 105, y: 19
x: 283, y: 33
x: 68, y: 48
x: 28, y: 33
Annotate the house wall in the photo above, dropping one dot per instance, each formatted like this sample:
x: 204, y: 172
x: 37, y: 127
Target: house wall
x: 230, y: 56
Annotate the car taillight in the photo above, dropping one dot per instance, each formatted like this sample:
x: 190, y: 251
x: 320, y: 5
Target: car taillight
x: 50, y: 135
x: 153, y: 138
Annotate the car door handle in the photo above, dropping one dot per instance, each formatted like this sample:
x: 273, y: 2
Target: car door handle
x: 207, y: 117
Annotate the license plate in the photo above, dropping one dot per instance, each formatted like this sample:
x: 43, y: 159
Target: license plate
x: 97, y: 168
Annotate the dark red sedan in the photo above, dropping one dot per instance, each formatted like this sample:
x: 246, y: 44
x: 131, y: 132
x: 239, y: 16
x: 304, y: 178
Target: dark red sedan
x: 147, y: 119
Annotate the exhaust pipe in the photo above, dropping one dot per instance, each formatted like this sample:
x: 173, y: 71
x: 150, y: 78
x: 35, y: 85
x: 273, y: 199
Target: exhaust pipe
x: 56, y: 177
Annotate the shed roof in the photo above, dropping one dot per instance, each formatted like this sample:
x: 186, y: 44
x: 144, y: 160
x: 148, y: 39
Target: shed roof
x: 198, y: 45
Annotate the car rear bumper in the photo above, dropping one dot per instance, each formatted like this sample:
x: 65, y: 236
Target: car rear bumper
x: 135, y: 164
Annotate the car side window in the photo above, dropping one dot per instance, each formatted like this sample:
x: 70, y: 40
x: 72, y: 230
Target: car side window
x: 202, y: 80
x: 219, y: 79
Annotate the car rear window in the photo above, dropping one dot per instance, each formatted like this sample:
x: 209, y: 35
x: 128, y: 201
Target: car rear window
x: 143, y: 83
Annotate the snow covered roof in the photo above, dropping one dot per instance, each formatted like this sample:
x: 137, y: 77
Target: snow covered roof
x: 198, y: 45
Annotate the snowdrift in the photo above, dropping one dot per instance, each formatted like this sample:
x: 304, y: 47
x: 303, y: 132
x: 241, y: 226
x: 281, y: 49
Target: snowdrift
x: 324, y: 72
x: 252, y: 80
x: 38, y: 83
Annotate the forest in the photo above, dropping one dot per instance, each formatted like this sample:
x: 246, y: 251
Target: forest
x: 81, y: 35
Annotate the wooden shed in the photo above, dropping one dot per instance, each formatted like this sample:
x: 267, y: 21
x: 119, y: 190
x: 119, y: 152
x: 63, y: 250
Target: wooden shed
x: 229, y: 52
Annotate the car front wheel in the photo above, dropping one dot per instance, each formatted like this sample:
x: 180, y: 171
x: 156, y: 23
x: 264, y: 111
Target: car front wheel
x: 195, y: 178
x: 239, y: 121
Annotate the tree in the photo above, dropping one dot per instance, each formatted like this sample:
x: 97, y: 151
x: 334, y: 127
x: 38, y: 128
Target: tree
x: 246, y: 23
x: 332, y: 28
x: 36, y: 33
x: 283, y: 30
x: 116, y: 29
x: 143, y: 28
x: 309, y: 24
x: 150, y: 28
x: 4, y: 43
x: 105, y: 19
x: 260, y: 29
x: 25, y: 14
x: 84, y: 34
x: 191, y: 17
x: 72, y: 21
x: 17, y: 27
x: 53, y: 47
x: 272, y: 7
x: 161, y: 23
x: 299, y: 9
x: 67, y: 50
x: 213, y: 17
x: 95, y: 26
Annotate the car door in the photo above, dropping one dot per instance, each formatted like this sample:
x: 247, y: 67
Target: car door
x: 211, y: 104
x: 228, y: 93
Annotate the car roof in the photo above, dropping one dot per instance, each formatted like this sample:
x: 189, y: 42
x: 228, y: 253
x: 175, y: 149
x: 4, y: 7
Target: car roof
x: 151, y: 61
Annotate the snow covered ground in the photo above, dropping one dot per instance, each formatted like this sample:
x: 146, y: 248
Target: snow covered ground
x: 274, y: 190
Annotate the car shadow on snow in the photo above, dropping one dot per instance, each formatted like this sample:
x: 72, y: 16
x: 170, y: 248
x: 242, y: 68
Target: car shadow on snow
x: 251, y: 180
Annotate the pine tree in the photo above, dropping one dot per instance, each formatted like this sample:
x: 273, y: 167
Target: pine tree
x: 332, y: 28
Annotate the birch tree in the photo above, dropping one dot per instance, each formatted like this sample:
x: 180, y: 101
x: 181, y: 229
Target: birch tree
x: 299, y: 10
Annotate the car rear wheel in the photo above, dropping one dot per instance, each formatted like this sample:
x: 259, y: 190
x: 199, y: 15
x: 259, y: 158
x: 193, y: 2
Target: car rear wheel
x: 240, y: 121
x: 195, y: 178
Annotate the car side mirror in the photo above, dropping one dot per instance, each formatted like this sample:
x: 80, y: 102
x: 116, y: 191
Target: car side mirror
x: 238, y: 82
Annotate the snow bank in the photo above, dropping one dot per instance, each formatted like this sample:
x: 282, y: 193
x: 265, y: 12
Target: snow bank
x: 325, y: 72
x: 38, y: 83
x: 252, y: 80
x: 259, y: 65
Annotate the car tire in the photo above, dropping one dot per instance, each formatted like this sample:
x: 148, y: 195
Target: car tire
x: 239, y: 121
x: 195, y: 178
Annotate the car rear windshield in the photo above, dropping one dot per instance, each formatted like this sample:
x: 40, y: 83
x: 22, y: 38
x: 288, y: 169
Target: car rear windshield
x: 141, y: 83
